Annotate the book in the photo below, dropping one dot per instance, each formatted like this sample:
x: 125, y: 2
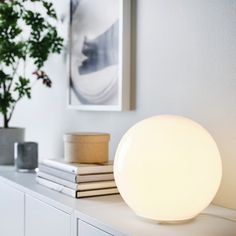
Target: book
x: 74, y: 177
x: 76, y: 186
x: 78, y: 168
x: 73, y: 193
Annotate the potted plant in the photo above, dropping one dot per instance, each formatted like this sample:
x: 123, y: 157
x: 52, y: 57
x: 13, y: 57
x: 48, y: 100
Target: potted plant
x: 27, y: 37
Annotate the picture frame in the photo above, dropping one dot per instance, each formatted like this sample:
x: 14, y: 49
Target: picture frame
x: 99, y: 61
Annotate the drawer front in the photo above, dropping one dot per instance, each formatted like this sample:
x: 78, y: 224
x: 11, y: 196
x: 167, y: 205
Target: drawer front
x: 85, y: 229
x: 11, y: 211
x: 44, y: 220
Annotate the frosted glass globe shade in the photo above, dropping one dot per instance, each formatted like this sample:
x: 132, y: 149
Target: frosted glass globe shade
x: 167, y: 168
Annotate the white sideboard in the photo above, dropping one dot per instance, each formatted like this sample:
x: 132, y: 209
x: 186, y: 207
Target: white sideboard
x: 28, y: 209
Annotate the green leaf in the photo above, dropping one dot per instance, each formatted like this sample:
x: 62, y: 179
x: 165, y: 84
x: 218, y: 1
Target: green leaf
x: 23, y: 88
x: 34, y: 20
x: 4, y: 78
x: 6, y: 101
x: 50, y: 10
x: 10, y: 51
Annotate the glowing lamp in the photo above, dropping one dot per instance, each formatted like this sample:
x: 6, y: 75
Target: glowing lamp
x: 167, y: 168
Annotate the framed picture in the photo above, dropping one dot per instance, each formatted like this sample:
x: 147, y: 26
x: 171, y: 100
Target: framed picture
x: 99, y: 62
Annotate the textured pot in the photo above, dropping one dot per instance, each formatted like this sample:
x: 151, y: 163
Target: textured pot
x: 8, y: 136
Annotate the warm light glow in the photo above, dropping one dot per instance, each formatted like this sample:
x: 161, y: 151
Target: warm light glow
x: 167, y: 168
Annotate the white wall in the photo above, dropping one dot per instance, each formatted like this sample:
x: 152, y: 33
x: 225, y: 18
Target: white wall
x: 184, y: 63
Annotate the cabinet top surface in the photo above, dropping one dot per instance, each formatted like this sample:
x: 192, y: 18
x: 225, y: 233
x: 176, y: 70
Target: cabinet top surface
x: 112, y: 212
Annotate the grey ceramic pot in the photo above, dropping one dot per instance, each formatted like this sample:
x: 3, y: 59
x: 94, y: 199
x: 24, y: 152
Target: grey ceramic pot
x: 8, y: 136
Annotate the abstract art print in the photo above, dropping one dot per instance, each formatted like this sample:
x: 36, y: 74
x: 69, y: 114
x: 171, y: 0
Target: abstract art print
x: 99, y: 54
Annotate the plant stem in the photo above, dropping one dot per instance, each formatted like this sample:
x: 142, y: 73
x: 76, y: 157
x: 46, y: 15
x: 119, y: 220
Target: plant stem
x: 5, y: 121
x: 12, y: 110
x: 13, y: 75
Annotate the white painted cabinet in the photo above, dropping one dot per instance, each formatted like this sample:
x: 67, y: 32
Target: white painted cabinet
x: 28, y: 209
x: 11, y: 211
x: 44, y: 220
x: 85, y: 229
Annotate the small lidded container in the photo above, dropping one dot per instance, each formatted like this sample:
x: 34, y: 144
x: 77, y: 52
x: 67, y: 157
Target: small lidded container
x: 86, y: 147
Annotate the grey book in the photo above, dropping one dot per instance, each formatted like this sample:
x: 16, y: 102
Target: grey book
x: 79, y: 168
x: 75, y: 193
x: 78, y: 186
x: 75, y: 178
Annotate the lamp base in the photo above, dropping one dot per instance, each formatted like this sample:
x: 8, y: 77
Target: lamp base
x: 157, y: 221
x: 175, y: 222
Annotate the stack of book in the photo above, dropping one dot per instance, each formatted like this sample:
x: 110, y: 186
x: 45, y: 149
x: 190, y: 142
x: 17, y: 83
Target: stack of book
x: 77, y: 180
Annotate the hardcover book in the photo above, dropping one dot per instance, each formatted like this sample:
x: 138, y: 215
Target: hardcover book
x: 77, y: 186
x: 72, y: 177
x: 77, y: 168
x: 75, y: 193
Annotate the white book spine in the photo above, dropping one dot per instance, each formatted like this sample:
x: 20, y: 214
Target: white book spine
x: 79, y: 168
x: 80, y: 186
x: 58, y: 173
x: 57, y: 187
x: 61, y: 166
x: 57, y: 180
x: 73, y: 193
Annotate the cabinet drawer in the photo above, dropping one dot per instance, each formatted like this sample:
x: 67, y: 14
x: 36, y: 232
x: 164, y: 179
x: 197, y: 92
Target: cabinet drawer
x: 11, y: 211
x: 42, y: 219
x: 85, y: 229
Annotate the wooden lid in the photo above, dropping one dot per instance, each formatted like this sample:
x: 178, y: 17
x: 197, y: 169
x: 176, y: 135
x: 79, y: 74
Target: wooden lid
x: 86, y: 137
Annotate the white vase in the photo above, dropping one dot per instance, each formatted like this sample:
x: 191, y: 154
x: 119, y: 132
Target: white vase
x: 8, y: 136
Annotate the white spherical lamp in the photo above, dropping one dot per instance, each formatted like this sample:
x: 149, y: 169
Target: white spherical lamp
x: 167, y: 168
